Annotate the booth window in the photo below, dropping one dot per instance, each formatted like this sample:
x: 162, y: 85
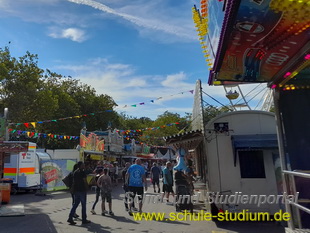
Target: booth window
x: 252, y: 164
x: 7, y: 158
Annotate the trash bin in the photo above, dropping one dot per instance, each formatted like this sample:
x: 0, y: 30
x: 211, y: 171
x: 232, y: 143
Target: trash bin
x: 5, y: 189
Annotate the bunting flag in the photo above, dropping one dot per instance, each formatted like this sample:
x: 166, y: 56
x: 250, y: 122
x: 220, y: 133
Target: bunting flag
x: 34, y: 123
x: 127, y: 137
x: 140, y: 130
x: 30, y: 134
x: 158, y: 98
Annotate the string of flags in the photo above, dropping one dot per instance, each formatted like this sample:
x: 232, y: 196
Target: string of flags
x: 153, y: 101
x: 141, y: 137
x: 127, y: 133
x: 30, y: 134
x: 140, y: 130
x: 34, y: 123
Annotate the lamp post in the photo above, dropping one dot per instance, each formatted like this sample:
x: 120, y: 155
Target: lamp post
x: 5, y: 116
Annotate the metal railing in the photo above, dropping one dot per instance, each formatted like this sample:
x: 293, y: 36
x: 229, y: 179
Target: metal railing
x: 292, y: 175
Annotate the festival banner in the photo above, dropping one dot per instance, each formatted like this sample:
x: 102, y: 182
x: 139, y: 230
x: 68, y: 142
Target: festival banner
x: 53, y: 171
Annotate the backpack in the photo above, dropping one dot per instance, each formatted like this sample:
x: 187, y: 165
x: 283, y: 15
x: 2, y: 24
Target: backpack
x: 68, y: 180
x: 105, y: 186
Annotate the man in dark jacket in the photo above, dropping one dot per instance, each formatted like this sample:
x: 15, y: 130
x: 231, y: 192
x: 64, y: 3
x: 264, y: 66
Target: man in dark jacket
x: 155, y: 174
x: 79, y: 190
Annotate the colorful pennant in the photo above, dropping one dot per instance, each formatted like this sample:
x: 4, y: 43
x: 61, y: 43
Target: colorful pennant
x: 44, y: 135
x: 140, y: 130
x: 27, y: 124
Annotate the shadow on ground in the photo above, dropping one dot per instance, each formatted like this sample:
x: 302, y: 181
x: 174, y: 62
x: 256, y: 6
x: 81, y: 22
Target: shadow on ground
x: 32, y: 223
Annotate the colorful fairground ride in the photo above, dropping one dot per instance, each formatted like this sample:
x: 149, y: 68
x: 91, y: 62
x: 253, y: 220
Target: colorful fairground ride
x: 267, y: 41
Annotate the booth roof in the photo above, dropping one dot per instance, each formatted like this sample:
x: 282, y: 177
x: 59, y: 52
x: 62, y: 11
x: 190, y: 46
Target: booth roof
x: 267, y: 52
x: 188, y: 140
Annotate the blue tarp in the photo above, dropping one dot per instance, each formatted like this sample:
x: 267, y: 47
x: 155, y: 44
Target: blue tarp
x: 255, y: 141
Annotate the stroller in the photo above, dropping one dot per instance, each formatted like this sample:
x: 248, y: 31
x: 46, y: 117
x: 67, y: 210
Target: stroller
x: 183, y: 193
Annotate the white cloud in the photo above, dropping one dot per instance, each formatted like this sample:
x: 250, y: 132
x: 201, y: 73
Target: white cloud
x: 73, y: 34
x: 42, y: 12
x: 147, y: 17
x: 137, y: 82
x: 171, y: 80
x: 122, y: 83
x: 170, y: 92
x: 143, y: 15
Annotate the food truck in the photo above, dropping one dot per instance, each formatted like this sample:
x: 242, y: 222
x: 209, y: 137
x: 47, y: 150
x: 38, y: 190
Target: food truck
x: 21, y: 164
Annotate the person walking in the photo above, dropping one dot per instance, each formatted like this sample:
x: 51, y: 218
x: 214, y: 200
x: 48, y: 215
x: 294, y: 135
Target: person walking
x: 115, y: 177
x: 79, y: 190
x: 168, y: 181
x: 72, y: 196
x: 98, y: 167
x: 105, y: 184
x: 155, y: 174
x: 135, y: 177
x: 99, y: 173
x: 126, y: 188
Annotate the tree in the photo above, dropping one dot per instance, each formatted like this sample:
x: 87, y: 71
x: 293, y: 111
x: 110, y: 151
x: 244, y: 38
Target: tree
x: 20, y: 83
x: 32, y: 94
x: 210, y: 111
x: 133, y: 127
x: 167, y: 124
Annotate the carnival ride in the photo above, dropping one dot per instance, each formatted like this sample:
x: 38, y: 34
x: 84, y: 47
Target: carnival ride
x: 246, y: 97
x: 267, y: 42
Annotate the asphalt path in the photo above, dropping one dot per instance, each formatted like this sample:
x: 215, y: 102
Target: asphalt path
x: 49, y: 214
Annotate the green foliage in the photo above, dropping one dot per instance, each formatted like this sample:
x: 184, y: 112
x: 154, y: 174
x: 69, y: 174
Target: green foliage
x: 209, y: 112
x: 272, y: 109
x: 32, y: 94
x: 155, y: 137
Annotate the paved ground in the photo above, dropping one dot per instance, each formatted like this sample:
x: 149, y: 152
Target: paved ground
x: 48, y: 214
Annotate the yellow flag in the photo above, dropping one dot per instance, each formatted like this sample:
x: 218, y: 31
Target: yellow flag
x: 33, y: 124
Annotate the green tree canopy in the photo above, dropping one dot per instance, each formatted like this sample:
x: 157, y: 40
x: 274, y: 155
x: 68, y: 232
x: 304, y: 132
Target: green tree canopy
x: 210, y: 111
x: 164, y: 129
x: 32, y: 94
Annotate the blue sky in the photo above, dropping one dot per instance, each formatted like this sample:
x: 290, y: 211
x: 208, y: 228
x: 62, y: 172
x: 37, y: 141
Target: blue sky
x: 133, y: 50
